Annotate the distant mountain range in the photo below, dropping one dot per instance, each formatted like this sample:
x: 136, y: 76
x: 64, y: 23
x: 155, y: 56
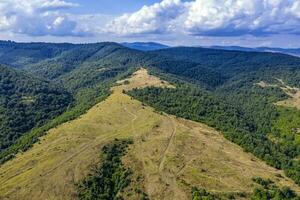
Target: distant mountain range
x: 145, y: 46
x: 152, y: 46
x: 294, y: 52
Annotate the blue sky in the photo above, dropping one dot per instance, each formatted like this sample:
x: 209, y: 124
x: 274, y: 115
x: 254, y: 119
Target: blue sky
x: 112, y: 7
x: 273, y: 23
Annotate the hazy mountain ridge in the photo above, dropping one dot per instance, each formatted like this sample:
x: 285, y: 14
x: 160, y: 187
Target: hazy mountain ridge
x: 290, y: 51
x: 145, y: 46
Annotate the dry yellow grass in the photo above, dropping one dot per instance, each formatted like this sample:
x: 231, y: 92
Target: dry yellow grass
x: 178, y: 154
x: 141, y: 79
x: 293, y: 101
x: 171, y: 154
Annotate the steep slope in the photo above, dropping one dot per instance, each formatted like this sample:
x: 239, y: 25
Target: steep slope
x: 170, y: 155
x: 27, y: 102
x: 87, y: 72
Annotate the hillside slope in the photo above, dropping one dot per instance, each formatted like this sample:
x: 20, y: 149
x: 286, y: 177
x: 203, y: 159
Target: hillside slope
x: 27, y: 102
x: 171, y: 154
x: 230, y: 64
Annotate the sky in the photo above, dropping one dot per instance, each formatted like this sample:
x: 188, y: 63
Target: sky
x: 251, y: 23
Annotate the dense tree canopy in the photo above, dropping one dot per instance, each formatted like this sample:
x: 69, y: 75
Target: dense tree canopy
x: 27, y: 102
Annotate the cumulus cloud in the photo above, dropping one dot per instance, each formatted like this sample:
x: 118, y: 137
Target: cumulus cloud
x: 57, y: 5
x: 38, y: 17
x: 212, y: 18
x: 158, y: 18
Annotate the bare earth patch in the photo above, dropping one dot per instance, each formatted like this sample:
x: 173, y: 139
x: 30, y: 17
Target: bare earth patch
x: 264, y: 84
x: 169, y: 155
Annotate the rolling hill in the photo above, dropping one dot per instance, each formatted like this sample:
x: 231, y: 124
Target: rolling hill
x: 169, y: 154
x: 63, y: 105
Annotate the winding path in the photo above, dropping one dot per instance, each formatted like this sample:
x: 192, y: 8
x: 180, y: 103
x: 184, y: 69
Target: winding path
x: 163, y: 156
x: 132, y: 121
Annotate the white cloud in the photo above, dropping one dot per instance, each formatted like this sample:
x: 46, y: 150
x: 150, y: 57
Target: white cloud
x: 57, y: 4
x: 157, y: 18
x: 37, y: 17
x: 212, y: 18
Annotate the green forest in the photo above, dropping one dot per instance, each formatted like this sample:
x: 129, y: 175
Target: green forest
x: 27, y: 102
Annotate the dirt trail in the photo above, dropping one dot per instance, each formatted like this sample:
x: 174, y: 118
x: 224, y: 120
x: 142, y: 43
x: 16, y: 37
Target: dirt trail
x: 133, y: 120
x: 171, y: 139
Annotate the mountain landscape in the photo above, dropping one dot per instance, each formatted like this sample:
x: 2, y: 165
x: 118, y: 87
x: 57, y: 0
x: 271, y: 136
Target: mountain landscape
x: 135, y: 121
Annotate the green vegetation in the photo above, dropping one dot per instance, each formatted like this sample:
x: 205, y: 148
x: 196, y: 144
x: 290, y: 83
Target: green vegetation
x: 269, y: 190
x: 27, y: 102
x: 286, y: 127
x: 202, y: 194
x: 110, y: 177
x: 19, y: 55
x: 229, y: 64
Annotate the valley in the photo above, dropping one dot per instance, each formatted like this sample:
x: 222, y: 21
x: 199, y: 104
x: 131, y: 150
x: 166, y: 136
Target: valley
x: 171, y: 154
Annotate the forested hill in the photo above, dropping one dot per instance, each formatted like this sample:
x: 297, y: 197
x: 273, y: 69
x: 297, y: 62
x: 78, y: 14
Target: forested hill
x: 19, y: 55
x: 26, y: 102
x: 231, y: 63
x: 209, y: 67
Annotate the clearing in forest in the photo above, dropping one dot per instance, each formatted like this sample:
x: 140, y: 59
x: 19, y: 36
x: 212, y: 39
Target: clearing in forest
x: 293, y: 92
